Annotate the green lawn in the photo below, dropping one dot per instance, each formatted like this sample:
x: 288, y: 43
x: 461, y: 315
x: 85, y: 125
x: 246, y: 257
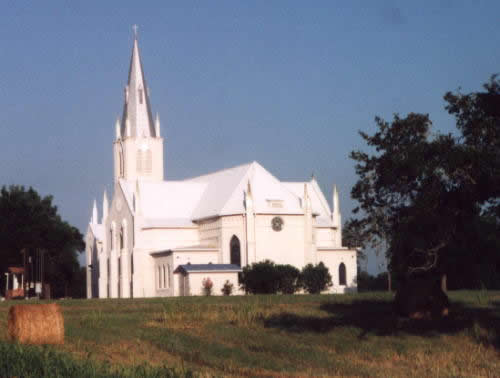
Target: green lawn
x: 267, y: 336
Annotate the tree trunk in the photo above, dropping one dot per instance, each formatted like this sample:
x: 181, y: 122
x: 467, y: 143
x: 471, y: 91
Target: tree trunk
x: 389, y: 281
x: 443, y: 282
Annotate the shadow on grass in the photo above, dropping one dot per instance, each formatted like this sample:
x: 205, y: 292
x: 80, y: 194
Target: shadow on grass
x: 377, y: 317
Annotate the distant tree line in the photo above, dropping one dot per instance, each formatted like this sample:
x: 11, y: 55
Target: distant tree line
x: 30, y: 227
x: 432, y: 200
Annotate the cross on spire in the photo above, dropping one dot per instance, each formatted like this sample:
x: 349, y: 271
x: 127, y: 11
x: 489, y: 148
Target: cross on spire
x: 135, y: 28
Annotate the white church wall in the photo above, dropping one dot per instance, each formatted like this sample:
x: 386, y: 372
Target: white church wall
x: 332, y: 259
x: 131, y: 148
x: 210, y: 232
x: 164, y: 238
x: 232, y: 226
x: 143, y: 279
x: 197, y: 257
x: 325, y: 237
x: 164, y: 283
x: 282, y: 247
x: 120, y: 220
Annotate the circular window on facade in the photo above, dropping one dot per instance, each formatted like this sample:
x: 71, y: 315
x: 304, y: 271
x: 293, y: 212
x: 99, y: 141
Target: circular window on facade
x: 277, y: 223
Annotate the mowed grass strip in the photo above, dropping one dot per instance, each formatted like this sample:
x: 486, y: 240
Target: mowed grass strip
x: 283, y: 335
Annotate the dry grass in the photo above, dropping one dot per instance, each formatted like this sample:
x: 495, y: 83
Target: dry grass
x: 306, y: 335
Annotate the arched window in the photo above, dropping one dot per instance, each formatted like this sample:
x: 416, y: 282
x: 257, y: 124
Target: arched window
x: 121, y: 238
x: 164, y: 277
x: 235, y: 251
x: 342, y: 275
x: 148, y: 162
x: 159, y: 277
x: 141, y: 95
x: 168, y: 276
x: 121, y: 163
x: 119, y: 281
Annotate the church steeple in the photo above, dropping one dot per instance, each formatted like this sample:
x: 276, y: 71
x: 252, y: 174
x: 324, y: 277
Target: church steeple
x: 138, y: 146
x: 137, y: 108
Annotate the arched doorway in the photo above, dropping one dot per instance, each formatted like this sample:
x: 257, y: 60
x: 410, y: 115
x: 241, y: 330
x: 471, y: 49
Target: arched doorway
x: 235, y: 251
x: 342, y: 275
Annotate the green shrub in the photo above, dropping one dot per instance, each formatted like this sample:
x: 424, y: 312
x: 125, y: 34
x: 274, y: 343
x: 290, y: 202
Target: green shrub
x: 227, y: 289
x: 207, y: 286
x: 260, y: 278
x: 289, y: 279
x: 315, y: 279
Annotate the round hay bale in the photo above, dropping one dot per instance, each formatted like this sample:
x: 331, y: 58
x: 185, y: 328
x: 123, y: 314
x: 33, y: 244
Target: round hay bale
x: 36, y: 324
x: 421, y: 299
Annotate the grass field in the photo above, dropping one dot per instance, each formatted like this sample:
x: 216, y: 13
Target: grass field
x: 301, y: 335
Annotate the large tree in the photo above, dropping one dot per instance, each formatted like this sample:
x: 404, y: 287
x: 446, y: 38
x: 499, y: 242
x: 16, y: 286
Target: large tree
x: 431, y: 197
x: 29, y: 224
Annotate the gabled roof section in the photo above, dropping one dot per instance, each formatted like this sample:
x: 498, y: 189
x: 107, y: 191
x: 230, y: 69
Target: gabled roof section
x: 137, y: 108
x: 224, y: 194
x: 169, y: 203
x: 319, y: 204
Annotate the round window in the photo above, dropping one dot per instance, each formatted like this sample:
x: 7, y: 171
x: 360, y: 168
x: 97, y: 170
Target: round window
x: 277, y: 223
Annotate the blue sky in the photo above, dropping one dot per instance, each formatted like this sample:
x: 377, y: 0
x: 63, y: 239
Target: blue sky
x: 286, y: 83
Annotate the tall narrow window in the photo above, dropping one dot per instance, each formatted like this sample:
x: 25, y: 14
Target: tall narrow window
x: 141, y: 93
x: 168, y: 276
x: 147, y: 166
x: 342, y: 274
x: 139, y: 161
x: 111, y: 238
x: 164, y: 278
x: 121, y: 238
x: 121, y: 164
x: 159, y: 277
x: 108, y: 278
x: 234, y: 245
x: 119, y: 283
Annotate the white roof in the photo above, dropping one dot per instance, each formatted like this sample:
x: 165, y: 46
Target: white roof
x: 180, y: 203
x: 319, y: 204
x: 225, y: 192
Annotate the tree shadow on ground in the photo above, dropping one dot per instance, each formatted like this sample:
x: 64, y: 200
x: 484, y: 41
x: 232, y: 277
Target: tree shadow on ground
x: 377, y: 317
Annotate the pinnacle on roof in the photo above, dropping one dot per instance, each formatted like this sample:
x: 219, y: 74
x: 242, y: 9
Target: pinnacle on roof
x: 137, y: 108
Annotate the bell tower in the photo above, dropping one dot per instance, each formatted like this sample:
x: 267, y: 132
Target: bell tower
x: 138, y: 146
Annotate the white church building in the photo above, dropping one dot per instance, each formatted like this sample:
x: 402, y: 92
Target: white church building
x: 161, y: 238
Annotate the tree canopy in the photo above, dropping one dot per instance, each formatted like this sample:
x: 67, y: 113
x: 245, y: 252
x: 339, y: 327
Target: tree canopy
x: 434, y: 198
x: 29, y: 222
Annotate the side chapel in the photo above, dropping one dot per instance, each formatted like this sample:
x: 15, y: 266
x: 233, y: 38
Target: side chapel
x: 163, y: 238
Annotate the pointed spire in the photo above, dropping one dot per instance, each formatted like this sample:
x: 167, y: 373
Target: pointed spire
x: 117, y: 129
x: 127, y: 127
x: 307, y: 200
x: 137, y: 108
x: 105, y: 207
x: 94, y: 219
x: 157, y: 125
x: 335, y: 207
x: 335, y: 199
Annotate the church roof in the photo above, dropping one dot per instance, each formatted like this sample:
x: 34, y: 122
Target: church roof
x: 188, y: 268
x: 182, y: 203
x: 224, y: 194
x: 137, y: 118
x: 319, y: 204
x: 169, y: 203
